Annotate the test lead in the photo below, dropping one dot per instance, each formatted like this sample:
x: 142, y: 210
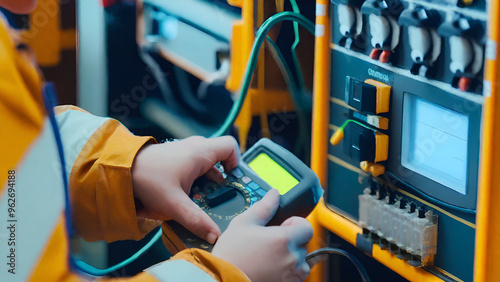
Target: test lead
x: 339, y: 134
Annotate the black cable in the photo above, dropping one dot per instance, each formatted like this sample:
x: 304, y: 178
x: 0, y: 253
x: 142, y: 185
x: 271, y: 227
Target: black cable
x: 336, y: 251
x: 157, y: 73
x: 432, y: 199
x: 304, y: 125
x: 187, y: 92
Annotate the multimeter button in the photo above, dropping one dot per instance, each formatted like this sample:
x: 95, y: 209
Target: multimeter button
x: 219, y: 196
x: 261, y: 192
x: 237, y: 173
x: 253, y: 185
x: 219, y: 167
x: 246, y: 179
x: 254, y: 199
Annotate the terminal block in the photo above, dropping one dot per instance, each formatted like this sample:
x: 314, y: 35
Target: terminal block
x: 400, y: 226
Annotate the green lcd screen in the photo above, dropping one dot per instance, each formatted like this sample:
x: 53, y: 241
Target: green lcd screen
x: 273, y: 173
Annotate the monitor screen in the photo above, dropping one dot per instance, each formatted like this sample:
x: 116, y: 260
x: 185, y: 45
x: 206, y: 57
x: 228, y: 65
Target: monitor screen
x: 434, y: 142
x: 274, y: 174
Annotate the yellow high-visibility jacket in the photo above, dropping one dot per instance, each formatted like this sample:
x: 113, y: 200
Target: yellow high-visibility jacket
x: 98, y: 154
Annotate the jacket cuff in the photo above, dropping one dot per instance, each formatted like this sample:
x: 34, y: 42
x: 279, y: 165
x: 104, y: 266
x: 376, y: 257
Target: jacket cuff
x: 218, y: 268
x: 115, y: 198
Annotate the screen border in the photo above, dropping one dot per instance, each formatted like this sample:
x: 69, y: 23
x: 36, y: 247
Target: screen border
x: 426, y: 185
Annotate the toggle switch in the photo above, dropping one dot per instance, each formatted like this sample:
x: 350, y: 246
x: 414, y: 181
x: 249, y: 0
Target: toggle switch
x: 220, y: 195
x: 369, y: 96
x: 365, y: 144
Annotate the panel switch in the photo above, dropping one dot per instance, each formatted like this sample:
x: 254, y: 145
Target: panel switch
x: 363, y: 144
x: 370, y: 96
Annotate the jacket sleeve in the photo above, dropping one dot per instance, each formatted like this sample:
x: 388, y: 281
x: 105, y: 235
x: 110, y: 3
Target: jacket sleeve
x: 217, y: 268
x: 99, y: 153
x: 190, y: 265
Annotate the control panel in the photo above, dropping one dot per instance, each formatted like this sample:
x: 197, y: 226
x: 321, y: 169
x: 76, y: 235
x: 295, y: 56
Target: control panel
x: 406, y: 84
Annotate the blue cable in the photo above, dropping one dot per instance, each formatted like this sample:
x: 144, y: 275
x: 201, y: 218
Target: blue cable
x: 50, y: 101
x: 91, y: 270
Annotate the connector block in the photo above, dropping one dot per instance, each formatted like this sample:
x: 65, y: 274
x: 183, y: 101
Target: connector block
x: 412, y: 230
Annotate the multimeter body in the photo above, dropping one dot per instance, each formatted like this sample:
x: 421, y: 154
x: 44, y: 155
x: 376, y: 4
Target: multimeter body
x: 265, y: 166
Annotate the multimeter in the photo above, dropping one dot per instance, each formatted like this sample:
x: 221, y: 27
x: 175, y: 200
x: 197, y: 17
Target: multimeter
x: 266, y: 165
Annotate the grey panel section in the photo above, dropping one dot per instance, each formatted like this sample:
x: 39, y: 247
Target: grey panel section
x: 187, y: 45
x: 200, y: 13
x: 455, y: 239
x: 192, y: 31
x: 360, y: 69
x: 92, y: 58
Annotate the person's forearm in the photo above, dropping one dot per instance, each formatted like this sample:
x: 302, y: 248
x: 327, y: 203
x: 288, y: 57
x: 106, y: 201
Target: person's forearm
x: 99, y: 153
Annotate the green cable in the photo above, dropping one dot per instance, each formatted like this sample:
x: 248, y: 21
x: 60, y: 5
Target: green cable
x: 91, y: 270
x: 295, y: 59
x: 339, y: 134
x: 342, y: 127
x: 259, y: 39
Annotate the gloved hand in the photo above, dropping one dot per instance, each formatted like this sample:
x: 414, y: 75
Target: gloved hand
x: 266, y: 253
x: 162, y: 176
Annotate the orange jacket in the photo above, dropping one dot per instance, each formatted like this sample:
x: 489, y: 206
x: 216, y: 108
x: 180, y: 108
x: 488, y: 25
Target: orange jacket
x: 98, y: 154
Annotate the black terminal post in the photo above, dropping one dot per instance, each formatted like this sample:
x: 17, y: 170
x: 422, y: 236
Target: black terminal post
x: 374, y: 187
x: 402, y: 204
x: 421, y: 212
x: 392, y: 198
x: 381, y: 194
x: 413, y: 207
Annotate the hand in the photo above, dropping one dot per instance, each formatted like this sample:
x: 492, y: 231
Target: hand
x: 162, y: 176
x: 266, y: 253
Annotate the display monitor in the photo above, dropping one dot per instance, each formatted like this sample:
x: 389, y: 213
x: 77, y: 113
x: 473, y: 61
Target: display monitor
x: 434, y: 142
